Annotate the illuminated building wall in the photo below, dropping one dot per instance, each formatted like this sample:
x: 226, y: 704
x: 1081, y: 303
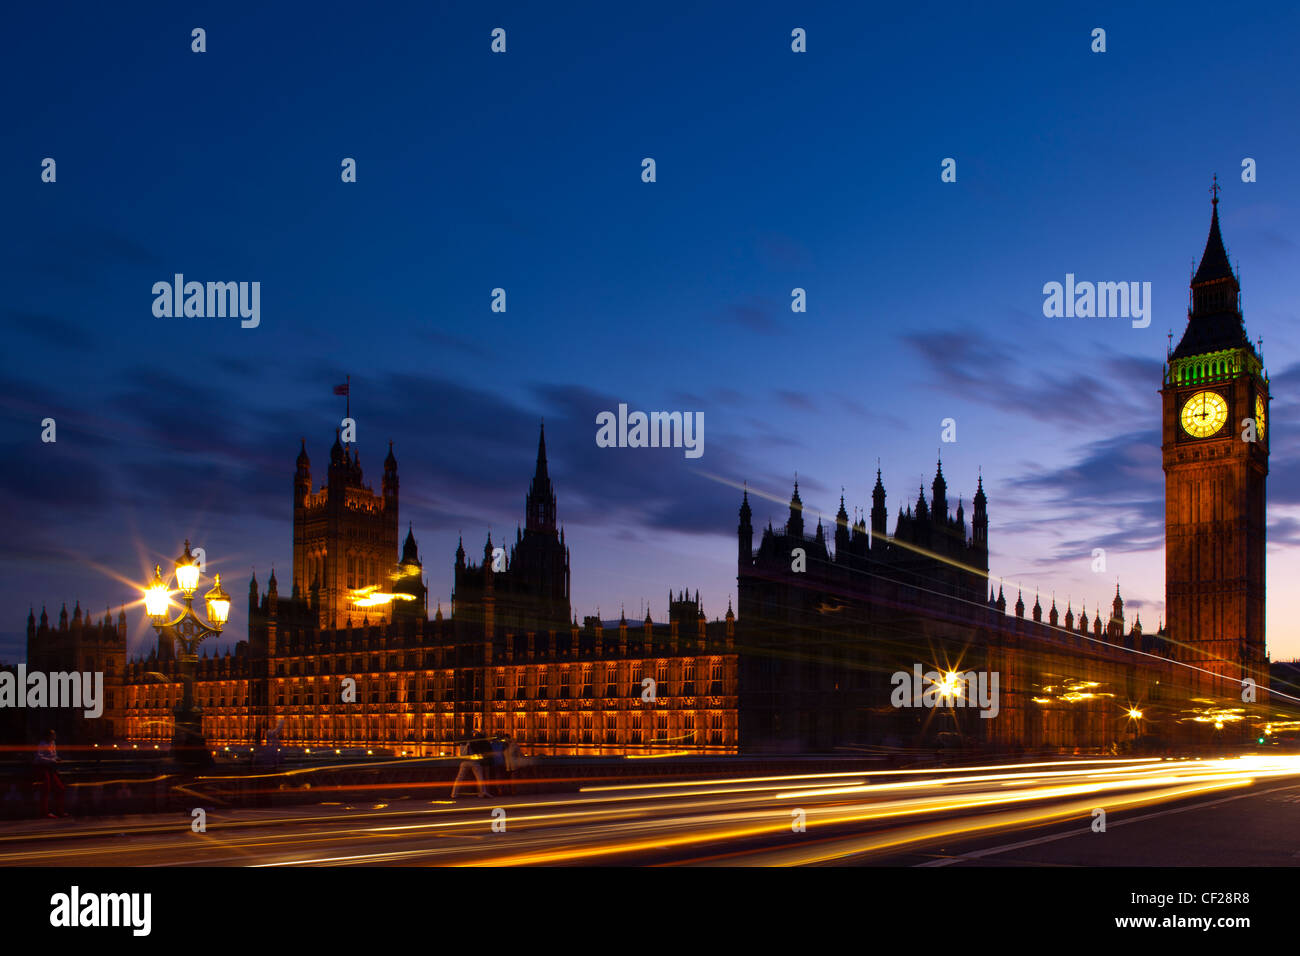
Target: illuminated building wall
x: 419, y: 688
x: 509, y: 659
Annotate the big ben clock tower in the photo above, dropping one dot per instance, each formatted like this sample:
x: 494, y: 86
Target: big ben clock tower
x: 1215, y: 442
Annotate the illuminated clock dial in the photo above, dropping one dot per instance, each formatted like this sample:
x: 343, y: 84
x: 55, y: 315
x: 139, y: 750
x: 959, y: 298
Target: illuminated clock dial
x: 1204, y: 414
x: 1259, y: 415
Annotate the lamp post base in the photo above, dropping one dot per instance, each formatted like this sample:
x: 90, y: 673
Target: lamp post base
x: 189, y: 747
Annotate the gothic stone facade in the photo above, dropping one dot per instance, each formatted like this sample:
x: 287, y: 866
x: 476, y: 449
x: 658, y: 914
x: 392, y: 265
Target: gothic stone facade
x: 509, y: 659
x: 824, y: 631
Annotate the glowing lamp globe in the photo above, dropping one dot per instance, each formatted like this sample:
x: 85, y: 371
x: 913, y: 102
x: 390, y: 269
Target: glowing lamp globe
x: 187, y: 572
x: 155, y: 596
x: 218, y: 604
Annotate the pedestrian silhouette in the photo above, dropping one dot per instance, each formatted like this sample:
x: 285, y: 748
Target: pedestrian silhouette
x: 47, y: 776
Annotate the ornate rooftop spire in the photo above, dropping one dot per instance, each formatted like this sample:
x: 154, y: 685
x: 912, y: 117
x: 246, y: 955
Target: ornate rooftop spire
x: 795, y: 525
x: 541, y: 494
x: 1214, y: 321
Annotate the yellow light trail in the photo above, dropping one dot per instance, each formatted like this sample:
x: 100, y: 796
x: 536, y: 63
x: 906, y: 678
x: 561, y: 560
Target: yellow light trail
x: 610, y: 822
x: 1203, y: 776
x: 1002, y: 820
x: 866, y: 773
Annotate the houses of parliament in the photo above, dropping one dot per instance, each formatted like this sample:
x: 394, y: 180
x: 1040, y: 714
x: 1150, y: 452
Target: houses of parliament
x: 803, y: 663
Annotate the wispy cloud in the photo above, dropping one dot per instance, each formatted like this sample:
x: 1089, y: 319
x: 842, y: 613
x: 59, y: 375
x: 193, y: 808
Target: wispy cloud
x: 977, y: 367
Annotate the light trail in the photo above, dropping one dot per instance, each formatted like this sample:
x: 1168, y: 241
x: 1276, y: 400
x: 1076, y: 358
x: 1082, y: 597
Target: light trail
x: 865, y: 813
x: 709, y: 820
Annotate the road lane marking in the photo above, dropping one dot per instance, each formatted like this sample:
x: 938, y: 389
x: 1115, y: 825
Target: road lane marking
x: 1006, y: 848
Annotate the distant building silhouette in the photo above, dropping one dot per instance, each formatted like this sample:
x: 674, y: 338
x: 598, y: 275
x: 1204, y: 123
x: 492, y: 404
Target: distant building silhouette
x: 87, y: 646
x: 531, y: 590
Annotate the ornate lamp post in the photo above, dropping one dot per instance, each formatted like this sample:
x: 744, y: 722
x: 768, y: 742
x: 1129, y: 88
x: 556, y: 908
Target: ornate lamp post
x: 187, y: 631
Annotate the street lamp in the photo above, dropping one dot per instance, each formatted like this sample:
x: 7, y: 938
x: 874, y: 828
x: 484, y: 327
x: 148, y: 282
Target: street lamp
x: 1135, y: 727
x: 187, y: 630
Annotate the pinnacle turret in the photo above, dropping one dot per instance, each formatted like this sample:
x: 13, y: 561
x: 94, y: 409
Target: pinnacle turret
x: 795, y: 525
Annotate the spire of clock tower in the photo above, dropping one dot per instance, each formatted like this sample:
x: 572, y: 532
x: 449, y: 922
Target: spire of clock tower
x: 1214, y: 261
x: 1214, y: 321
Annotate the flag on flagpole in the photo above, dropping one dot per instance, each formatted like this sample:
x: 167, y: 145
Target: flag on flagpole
x: 346, y: 390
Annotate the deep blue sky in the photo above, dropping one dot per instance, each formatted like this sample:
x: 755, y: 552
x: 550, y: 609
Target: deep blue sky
x: 522, y: 170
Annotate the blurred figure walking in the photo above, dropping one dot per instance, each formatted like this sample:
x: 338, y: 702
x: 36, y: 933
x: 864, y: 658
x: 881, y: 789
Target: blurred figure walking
x: 47, y: 760
x: 470, y: 766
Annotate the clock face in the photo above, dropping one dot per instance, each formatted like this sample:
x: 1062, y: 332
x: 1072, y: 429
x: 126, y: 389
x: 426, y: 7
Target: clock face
x: 1259, y: 415
x: 1204, y: 414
